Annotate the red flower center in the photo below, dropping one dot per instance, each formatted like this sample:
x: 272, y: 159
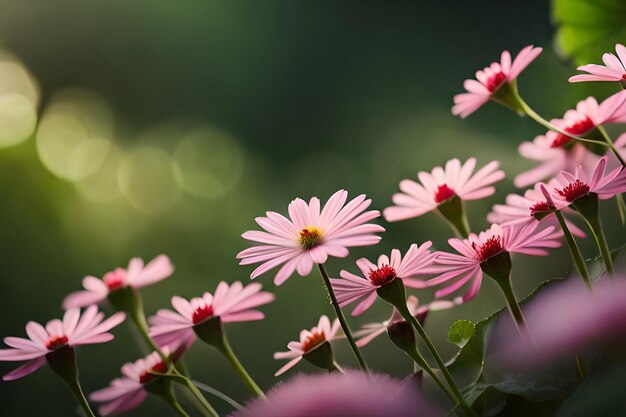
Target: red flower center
x: 201, y: 314
x: 495, y: 81
x: 309, y: 237
x: 574, y: 190
x: 443, y: 193
x: 115, y: 279
x: 624, y: 76
x: 56, y: 342
x: 383, y: 275
x: 491, y: 247
x: 539, y: 207
x: 313, y: 341
x: 160, y: 367
x: 579, y: 128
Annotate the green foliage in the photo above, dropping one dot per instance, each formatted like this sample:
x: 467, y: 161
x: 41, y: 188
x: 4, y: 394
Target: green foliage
x: 588, y: 28
x: 460, y: 332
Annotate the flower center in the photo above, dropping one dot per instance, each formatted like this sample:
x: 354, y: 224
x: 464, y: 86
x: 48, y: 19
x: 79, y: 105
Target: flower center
x: 495, y: 81
x: 146, y: 376
x: 56, y: 342
x: 313, y: 341
x: 383, y: 275
x: 580, y: 127
x: 309, y: 237
x: 490, y: 248
x: 443, y: 193
x: 201, y: 314
x: 538, y: 208
x: 115, y: 279
x: 574, y: 190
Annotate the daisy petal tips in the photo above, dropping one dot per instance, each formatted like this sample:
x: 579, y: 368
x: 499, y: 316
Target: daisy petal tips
x: 74, y: 330
x: 135, y: 276
x: 490, y: 80
x: 310, y: 235
x: 350, y: 288
x: 614, y: 68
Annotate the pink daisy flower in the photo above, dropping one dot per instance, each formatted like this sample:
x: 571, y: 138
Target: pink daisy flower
x: 568, y: 188
x: 74, y: 330
x: 490, y: 79
x: 128, y: 392
x: 614, y: 68
x: 354, y: 393
x: 553, y: 149
x: 309, y: 340
x: 530, y: 208
x: 310, y: 236
x: 135, y: 276
x: 528, y: 239
x: 234, y: 303
x: 350, y: 288
x: 371, y: 331
x: 441, y: 185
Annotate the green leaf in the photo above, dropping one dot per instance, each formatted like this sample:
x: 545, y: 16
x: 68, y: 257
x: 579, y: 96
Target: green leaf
x: 588, y: 28
x: 460, y: 332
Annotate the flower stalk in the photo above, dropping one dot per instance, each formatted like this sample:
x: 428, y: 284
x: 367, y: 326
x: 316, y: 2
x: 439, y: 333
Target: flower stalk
x: 588, y: 207
x: 63, y: 363
x: 341, y: 317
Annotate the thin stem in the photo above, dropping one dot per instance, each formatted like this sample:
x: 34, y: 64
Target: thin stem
x: 342, y: 319
x: 419, y: 361
x: 171, y: 400
x: 207, y: 409
x: 227, y: 351
x: 210, y: 390
x: 574, y: 250
x: 442, y: 366
x: 598, y: 233
x: 514, y: 308
x: 537, y: 118
x: 611, y: 145
x: 580, y: 364
x: 76, y: 389
x: 338, y: 368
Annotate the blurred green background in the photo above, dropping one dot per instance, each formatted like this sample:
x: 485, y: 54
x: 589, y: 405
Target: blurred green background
x: 167, y: 127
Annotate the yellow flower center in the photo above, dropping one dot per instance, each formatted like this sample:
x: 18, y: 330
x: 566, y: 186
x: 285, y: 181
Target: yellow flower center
x: 309, y: 237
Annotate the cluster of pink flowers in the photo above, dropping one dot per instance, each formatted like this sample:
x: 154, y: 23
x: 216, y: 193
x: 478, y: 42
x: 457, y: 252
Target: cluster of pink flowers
x: 532, y: 224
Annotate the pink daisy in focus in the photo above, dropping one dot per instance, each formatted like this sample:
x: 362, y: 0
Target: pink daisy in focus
x: 129, y: 391
x: 614, y: 68
x: 74, y: 330
x: 556, y: 150
x: 350, y: 288
x: 309, y: 340
x: 234, y: 303
x: 530, y: 208
x: 371, y: 331
x: 441, y: 185
x: 568, y: 187
x: 309, y: 236
x: 135, y: 276
x: 477, y: 250
x: 354, y: 393
x: 490, y: 79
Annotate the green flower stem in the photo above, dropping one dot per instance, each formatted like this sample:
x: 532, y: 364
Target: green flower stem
x: 206, y: 409
x: 589, y: 209
x: 420, y: 362
x: 442, y: 366
x: 513, y: 305
x: 574, y: 251
x: 342, y: 319
x: 171, y: 400
x: 227, y: 351
x: 608, y: 140
x: 453, y: 212
x: 63, y: 363
x: 74, y: 386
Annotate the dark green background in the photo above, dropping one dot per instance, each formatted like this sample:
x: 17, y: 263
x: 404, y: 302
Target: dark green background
x: 319, y: 96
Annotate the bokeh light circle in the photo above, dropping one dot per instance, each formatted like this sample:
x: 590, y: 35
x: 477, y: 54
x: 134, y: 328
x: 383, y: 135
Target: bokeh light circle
x: 19, y: 98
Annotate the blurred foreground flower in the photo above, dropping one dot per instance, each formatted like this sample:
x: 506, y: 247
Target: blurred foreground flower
x: 614, y: 68
x: 493, y: 81
x: 75, y: 329
x: 341, y: 395
x: 350, y: 288
x: 445, y: 190
x: 313, y: 345
x: 135, y: 276
x: 309, y: 236
x: 564, y: 321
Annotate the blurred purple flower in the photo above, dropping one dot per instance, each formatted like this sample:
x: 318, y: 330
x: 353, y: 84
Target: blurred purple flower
x: 564, y: 321
x: 341, y: 395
